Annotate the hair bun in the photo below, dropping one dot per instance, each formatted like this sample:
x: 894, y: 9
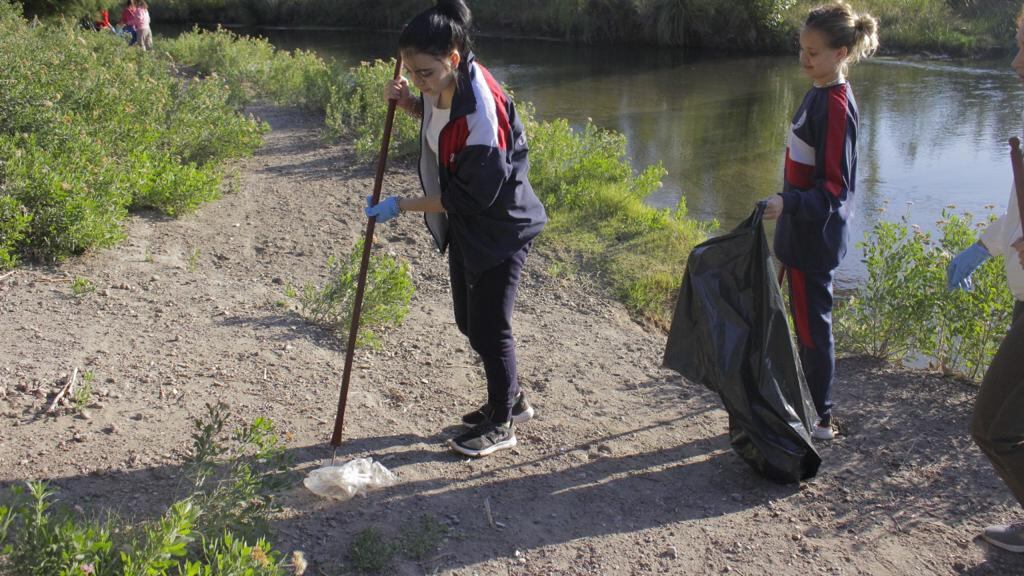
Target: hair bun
x: 866, y: 25
x: 456, y: 11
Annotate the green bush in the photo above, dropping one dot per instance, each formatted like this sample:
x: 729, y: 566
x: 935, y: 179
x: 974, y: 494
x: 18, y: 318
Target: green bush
x: 71, y: 9
x: 212, y: 531
x: 903, y: 311
x: 388, y: 292
x: 82, y: 141
x: 75, y: 201
x: 357, y: 110
x: 14, y: 221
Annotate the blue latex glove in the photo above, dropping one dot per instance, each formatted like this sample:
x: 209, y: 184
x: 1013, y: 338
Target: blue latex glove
x: 384, y: 211
x: 958, y: 274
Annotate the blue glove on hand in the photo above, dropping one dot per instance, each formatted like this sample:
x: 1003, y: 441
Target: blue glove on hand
x: 384, y: 210
x: 958, y: 274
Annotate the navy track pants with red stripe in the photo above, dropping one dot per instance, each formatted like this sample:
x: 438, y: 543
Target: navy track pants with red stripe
x: 810, y: 301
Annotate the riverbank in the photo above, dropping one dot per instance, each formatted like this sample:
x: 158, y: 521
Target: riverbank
x: 626, y: 469
x: 922, y: 26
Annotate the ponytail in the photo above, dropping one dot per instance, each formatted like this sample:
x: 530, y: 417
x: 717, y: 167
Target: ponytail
x: 866, y: 34
x: 439, y: 30
x: 844, y: 28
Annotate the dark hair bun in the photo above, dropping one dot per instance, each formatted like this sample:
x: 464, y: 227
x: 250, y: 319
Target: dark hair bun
x: 456, y: 11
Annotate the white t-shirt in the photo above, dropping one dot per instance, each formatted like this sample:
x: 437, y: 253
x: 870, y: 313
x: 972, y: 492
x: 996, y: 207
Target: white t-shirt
x: 438, y: 120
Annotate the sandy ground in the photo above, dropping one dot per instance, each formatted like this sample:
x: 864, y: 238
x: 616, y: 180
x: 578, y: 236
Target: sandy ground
x: 626, y: 470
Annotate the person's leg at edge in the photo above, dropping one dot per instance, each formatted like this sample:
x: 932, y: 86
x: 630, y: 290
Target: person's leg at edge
x: 998, y: 428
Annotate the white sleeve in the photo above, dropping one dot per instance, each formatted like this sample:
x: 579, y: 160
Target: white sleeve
x: 994, y: 237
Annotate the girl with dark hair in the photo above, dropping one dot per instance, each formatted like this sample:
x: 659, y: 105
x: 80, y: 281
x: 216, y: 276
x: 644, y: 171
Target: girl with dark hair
x: 820, y: 178
x: 477, y: 203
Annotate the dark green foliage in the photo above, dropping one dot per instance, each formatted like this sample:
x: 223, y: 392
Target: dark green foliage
x: 70, y: 9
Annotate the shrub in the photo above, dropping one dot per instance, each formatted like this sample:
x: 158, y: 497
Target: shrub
x: 357, y: 110
x: 81, y: 142
x: 388, y: 292
x: 199, y: 535
x: 76, y: 201
x: 14, y: 222
x: 904, y: 311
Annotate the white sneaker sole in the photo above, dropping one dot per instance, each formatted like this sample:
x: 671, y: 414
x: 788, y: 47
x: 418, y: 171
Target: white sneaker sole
x: 822, y: 433
x: 523, y: 416
x: 510, y: 443
x: 1003, y: 545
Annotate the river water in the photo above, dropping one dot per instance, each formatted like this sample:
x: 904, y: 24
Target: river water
x: 932, y: 133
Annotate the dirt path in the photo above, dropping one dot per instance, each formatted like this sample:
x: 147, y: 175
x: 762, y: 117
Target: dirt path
x: 626, y: 470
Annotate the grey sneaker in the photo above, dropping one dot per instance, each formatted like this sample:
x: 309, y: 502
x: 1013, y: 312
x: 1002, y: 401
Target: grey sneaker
x: 521, y: 412
x: 484, y: 439
x: 1008, y: 537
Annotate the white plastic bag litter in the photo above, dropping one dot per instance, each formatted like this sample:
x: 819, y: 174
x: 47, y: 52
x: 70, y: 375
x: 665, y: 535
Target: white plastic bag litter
x: 356, y: 477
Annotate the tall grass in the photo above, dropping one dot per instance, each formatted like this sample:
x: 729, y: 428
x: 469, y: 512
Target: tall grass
x: 596, y: 204
x: 957, y: 27
x: 252, y: 67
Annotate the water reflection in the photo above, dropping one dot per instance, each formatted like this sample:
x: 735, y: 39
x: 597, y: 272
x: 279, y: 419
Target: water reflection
x: 932, y: 134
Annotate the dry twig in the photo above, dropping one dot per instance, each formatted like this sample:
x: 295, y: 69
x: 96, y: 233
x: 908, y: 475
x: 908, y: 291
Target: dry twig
x: 64, y: 392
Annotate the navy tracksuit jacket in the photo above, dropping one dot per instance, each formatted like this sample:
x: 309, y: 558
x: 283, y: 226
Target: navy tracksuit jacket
x: 491, y: 217
x: 812, y: 234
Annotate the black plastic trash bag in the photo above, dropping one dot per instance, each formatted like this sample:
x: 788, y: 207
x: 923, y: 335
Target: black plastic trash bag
x: 730, y: 333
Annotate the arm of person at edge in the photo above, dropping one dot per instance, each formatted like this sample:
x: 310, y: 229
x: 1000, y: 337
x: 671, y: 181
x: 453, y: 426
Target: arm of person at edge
x: 829, y: 193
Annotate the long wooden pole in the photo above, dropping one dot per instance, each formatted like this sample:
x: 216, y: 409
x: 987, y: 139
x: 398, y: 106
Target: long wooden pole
x: 382, y: 159
x: 1017, y: 161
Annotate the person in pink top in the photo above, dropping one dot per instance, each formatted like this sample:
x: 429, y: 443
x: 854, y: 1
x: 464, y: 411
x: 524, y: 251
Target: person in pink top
x: 127, y: 21
x: 145, y: 35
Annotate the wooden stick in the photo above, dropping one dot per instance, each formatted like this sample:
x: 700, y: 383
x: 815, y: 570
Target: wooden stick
x: 1017, y: 162
x: 64, y: 391
x: 4, y: 277
x: 339, y: 421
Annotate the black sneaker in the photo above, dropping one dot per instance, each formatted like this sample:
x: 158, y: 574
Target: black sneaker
x: 484, y: 439
x: 521, y: 412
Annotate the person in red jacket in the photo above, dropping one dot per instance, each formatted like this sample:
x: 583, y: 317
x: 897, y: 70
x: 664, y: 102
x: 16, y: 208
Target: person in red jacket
x: 128, y: 21
x: 104, y: 22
